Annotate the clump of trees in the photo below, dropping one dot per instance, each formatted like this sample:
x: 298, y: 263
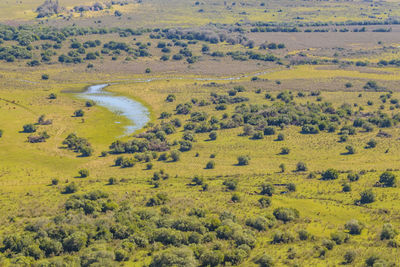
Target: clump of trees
x: 78, y: 145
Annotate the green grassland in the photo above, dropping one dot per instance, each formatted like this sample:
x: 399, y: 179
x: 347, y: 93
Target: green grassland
x: 27, y: 169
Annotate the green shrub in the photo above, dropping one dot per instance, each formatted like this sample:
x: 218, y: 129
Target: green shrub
x: 264, y: 261
x: 301, y: 167
x: 367, y: 196
x: 79, y: 113
x: 286, y: 214
x: 264, y: 202
x: 84, y: 173
x: 71, y: 188
x: 29, y: 128
x: 388, y: 232
x: 387, y: 179
x: 243, y: 160
x: 330, y: 174
x: 349, y: 256
x: 354, y: 227
x: 210, y: 165
x: 267, y: 189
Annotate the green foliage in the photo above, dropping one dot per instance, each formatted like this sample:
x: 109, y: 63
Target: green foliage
x: 29, y: 128
x: 330, y: 174
x: 354, y: 227
x: 243, y: 160
x: 367, y: 196
x: 267, y: 189
x: 286, y: 214
x: 387, y: 179
x: 84, y: 173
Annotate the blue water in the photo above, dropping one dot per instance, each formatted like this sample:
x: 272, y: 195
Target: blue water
x: 134, y: 111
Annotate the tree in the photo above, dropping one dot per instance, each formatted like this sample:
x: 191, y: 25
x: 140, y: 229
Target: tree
x: 264, y: 261
x: 75, y: 242
x: 182, y: 257
x: 213, y: 135
x: 52, y: 96
x: 371, y: 143
x: 71, y: 188
x: 264, y: 202
x: 387, y: 179
x: 350, y: 150
x: 367, y: 196
x: 285, y: 151
x: 84, y: 173
x: 267, y: 189
x: 291, y: 187
x: 175, y: 155
x: 282, y: 167
x: 29, y: 128
x: 353, y: 177
x: 243, y: 160
x: 269, y: 131
x: 330, y: 174
x: 301, y: 167
x: 354, y: 227
x: 349, y: 256
x: 210, y: 165
x: 79, y: 113
x: 231, y: 184
x: 388, y: 232
x: 286, y: 214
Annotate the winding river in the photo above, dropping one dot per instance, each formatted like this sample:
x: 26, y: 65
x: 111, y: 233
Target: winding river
x: 134, y: 111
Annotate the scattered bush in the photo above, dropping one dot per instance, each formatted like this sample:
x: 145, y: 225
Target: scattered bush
x: 286, y: 214
x: 84, y: 173
x: 387, y: 179
x: 243, y: 160
x: 354, y: 227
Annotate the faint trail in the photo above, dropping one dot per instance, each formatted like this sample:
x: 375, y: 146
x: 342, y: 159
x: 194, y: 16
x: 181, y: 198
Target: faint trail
x: 18, y: 105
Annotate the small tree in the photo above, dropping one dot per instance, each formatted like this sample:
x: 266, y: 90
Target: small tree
x: 280, y: 137
x: 267, y: 189
x: 79, y: 113
x: 349, y: 256
x: 210, y: 165
x: 71, y: 188
x: 213, y: 135
x: 264, y: 202
x: 387, y: 179
x: 330, y: 174
x: 301, y: 167
x: 282, y: 167
x: 350, y: 150
x: 52, y: 96
x: 367, y: 196
x: 286, y: 214
x: 243, y: 160
x: 388, y: 232
x: 29, y: 128
x: 371, y: 143
x: 291, y: 187
x: 285, y: 151
x: 84, y: 173
x: 264, y: 261
x: 175, y: 155
x: 354, y: 227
